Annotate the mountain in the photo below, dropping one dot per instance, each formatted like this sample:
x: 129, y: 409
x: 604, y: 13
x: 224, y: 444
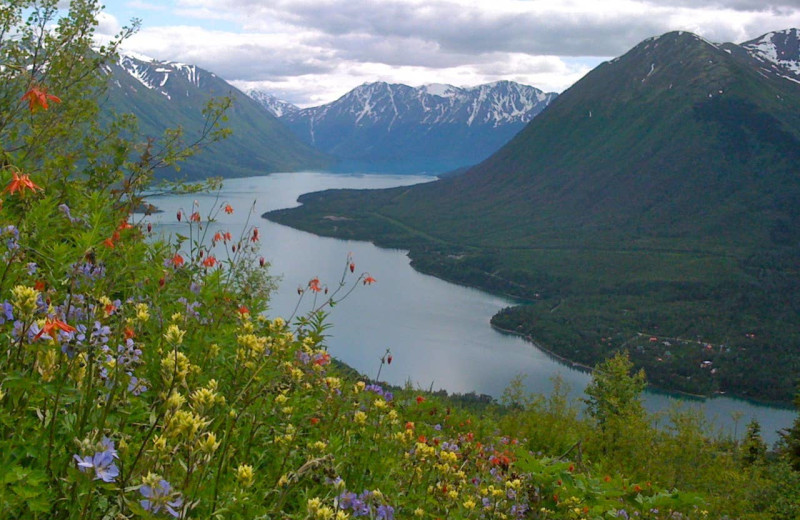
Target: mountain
x: 433, y: 128
x: 276, y: 107
x: 779, y: 50
x: 166, y: 94
x: 658, y: 197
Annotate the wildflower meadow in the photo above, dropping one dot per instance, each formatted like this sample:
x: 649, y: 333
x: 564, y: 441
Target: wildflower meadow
x: 140, y: 378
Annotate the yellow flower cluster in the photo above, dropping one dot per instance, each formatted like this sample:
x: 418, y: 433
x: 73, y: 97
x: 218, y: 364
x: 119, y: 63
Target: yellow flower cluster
x: 245, y: 476
x: 251, y: 349
x: 205, y: 398
x: 318, y: 511
x: 24, y: 299
x: 175, y: 367
x: 174, y: 335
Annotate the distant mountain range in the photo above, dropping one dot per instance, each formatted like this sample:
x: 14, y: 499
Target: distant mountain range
x: 658, y: 197
x: 401, y: 129
x: 167, y: 94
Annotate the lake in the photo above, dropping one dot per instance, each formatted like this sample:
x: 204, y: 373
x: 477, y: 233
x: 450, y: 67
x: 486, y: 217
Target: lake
x: 438, y: 332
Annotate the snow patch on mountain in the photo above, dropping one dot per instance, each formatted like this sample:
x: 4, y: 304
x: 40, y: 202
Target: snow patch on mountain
x: 274, y: 105
x: 155, y: 75
x: 780, y: 49
x: 495, y: 104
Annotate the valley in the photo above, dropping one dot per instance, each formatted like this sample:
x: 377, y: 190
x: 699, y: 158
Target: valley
x: 653, y: 199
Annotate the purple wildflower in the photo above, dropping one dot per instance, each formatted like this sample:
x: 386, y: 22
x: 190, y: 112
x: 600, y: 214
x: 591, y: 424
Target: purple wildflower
x: 385, y: 512
x: 102, y: 462
x: 12, y: 236
x: 158, y: 496
x: 7, y: 313
x: 136, y: 386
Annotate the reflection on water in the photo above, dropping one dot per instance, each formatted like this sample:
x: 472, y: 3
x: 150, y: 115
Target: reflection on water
x: 438, y: 332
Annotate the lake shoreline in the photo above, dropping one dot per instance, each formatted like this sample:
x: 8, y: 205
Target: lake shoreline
x: 416, y: 254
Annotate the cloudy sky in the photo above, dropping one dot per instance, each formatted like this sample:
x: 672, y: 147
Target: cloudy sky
x: 311, y: 52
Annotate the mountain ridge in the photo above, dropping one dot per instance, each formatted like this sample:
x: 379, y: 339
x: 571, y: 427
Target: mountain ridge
x: 432, y: 128
x: 655, y: 197
x: 166, y: 94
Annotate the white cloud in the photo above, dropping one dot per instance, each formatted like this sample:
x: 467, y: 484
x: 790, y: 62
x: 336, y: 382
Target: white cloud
x: 312, y: 51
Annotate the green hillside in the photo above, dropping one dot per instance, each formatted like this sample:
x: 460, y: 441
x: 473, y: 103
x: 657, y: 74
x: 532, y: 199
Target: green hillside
x: 258, y: 144
x: 656, y: 198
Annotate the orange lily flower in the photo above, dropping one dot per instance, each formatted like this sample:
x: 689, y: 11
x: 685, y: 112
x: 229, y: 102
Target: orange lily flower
x: 255, y: 236
x: 210, y: 261
x: 53, y: 325
x: 195, y: 217
x: 177, y: 260
x: 20, y: 183
x: 369, y: 280
x: 228, y: 209
x: 314, y: 285
x: 37, y: 97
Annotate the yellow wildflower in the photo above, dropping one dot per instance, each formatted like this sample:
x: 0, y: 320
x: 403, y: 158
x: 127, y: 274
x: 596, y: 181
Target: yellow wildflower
x: 24, y: 299
x: 245, y: 475
x: 174, y: 335
x: 142, y: 312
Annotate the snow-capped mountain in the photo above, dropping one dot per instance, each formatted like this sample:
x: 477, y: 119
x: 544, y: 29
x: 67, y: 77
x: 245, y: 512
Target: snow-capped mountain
x: 166, y: 94
x: 275, y: 106
x: 156, y: 75
x: 433, y: 128
x: 779, y: 51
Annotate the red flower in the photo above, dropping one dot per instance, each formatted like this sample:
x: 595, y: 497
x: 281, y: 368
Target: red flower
x: 110, y: 308
x: 389, y: 359
x: 123, y: 225
x: 129, y: 334
x: 149, y: 227
x: 314, y: 420
x: 244, y: 310
x: 255, y: 236
x: 227, y: 237
x: 37, y: 97
x: 352, y: 266
x: 20, y: 183
x: 262, y: 262
x: 314, y: 285
x: 53, y: 325
x: 324, y: 359
x: 210, y: 261
x: 637, y: 488
x: 409, y: 425
x: 217, y: 238
x: 39, y: 285
x: 179, y: 215
x: 108, y: 243
x: 177, y: 260
x: 195, y: 217
x: 369, y: 280
x: 420, y: 399
x: 228, y: 209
